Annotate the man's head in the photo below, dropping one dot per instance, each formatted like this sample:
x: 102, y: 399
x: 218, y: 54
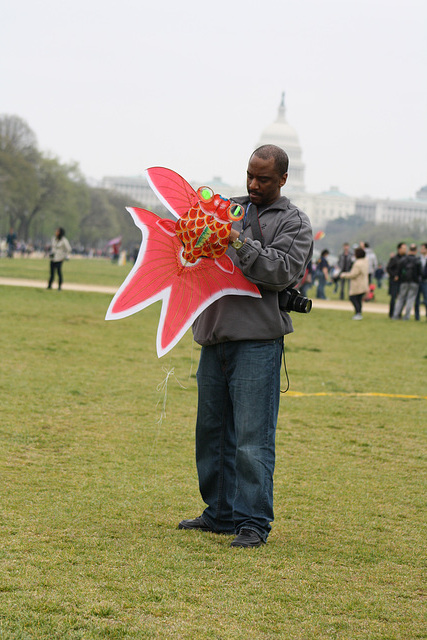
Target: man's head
x: 413, y: 249
x: 267, y: 173
x: 402, y: 249
x: 423, y: 248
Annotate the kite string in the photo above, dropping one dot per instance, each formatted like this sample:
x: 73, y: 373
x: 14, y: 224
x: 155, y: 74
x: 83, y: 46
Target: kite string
x: 162, y: 387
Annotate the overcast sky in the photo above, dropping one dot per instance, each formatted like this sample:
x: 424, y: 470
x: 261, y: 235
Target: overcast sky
x: 190, y: 85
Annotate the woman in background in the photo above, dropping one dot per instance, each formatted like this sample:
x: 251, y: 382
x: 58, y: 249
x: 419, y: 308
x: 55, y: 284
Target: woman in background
x: 359, y: 281
x: 60, y: 250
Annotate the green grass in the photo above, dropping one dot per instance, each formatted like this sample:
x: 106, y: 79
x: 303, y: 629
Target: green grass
x: 103, y: 272
x: 76, y: 270
x: 93, y: 483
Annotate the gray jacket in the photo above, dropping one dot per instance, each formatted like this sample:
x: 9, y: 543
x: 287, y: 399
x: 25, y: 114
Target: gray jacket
x: 276, y: 265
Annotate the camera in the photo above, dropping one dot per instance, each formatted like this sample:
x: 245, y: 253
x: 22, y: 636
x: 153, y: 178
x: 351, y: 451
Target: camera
x: 292, y: 300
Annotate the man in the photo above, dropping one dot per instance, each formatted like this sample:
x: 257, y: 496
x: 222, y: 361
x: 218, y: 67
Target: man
x: 409, y: 278
x: 422, y: 291
x: 322, y: 274
x: 345, y: 261
x: 11, y: 242
x: 239, y: 369
x: 393, y: 273
x: 372, y: 260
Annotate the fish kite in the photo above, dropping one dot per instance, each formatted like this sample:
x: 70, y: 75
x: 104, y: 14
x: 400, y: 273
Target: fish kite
x: 182, y: 262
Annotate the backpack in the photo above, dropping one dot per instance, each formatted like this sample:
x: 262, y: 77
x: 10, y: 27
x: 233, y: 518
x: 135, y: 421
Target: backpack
x: 408, y: 269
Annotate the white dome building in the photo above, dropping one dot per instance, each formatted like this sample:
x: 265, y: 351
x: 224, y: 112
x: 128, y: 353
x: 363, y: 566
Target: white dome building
x: 320, y: 207
x: 283, y: 135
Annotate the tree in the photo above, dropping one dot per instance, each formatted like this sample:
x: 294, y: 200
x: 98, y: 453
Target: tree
x: 16, y: 137
x: 34, y: 187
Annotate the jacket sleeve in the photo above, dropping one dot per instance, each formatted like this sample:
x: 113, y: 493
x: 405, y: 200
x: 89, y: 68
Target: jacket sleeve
x: 353, y: 273
x: 281, y: 263
x: 392, y: 268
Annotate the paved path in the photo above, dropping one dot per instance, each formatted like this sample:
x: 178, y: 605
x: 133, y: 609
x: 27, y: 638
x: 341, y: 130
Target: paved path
x: 339, y: 305
x: 40, y: 284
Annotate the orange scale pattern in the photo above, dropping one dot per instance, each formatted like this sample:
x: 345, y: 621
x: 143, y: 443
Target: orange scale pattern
x: 202, y: 235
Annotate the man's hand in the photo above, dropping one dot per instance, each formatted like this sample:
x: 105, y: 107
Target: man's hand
x: 233, y: 236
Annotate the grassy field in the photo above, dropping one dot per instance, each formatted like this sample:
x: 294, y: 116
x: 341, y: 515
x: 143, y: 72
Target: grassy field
x: 77, y: 270
x: 94, y: 480
x: 103, y: 272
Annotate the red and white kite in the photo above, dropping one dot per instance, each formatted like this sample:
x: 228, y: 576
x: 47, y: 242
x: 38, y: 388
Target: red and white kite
x: 182, y: 263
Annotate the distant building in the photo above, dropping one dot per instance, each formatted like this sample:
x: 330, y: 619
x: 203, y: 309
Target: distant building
x: 320, y: 207
x: 283, y: 135
x: 396, y: 212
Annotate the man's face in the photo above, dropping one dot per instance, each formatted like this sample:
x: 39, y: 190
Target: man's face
x: 263, y: 181
x: 423, y: 249
x: 403, y: 250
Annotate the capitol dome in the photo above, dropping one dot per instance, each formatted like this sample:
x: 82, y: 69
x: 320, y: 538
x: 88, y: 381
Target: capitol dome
x: 283, y: 135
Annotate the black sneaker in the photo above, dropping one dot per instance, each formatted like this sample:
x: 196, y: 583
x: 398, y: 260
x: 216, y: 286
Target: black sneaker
x: 247, y: 538
x: 198, y: 524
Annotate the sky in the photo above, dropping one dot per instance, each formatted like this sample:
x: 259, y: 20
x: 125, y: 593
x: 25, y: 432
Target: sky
x: 121, y: 86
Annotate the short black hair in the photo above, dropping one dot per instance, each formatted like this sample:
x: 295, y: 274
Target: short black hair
x: 281, y: 159
x: 359, y: 253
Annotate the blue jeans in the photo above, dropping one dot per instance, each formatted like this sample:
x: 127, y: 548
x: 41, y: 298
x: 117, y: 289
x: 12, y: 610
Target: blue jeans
x: 321, y: 283
x: 239, y: 394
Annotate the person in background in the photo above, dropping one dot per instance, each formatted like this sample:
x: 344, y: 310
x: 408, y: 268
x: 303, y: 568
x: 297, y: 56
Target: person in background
x: 322, y: 274
x: 379, y: 275
x: 422, y: 291
x: 372, y: 260
x: 409, y: 276
x: 393, y: 275
x: 345, y: 260
x: 11, y: 242
x: 60, y: 251
x: 359, y: 281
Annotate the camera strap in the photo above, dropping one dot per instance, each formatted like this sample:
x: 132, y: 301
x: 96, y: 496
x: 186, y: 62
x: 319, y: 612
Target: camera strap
x: 254, y: 223
x: 252, y: 213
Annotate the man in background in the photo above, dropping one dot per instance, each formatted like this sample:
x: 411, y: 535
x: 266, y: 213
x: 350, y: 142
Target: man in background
x: 422, y: 290
x: 393, y: 275
x: 409, y: 276
x: 345, y: 261
x: 372, y: 260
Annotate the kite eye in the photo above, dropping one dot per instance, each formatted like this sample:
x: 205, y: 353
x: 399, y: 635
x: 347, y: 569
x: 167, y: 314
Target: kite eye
x: 235, y: 212
x: 205, y: 194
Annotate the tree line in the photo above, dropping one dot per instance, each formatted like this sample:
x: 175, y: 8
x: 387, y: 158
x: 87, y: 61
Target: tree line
x: 383, y: 238
x: 38, y: 193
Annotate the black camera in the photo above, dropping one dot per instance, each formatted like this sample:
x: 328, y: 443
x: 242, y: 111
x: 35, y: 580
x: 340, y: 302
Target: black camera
x: 292, y: 300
